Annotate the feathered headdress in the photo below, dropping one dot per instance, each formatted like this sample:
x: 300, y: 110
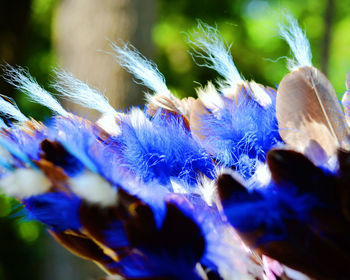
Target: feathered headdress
x: 241, y: 183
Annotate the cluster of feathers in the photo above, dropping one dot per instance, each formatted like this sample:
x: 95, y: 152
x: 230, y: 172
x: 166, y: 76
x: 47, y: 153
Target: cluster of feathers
x: 244, y: 182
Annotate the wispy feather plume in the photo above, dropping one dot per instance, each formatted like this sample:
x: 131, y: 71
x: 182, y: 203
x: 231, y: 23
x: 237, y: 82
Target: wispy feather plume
x: 143, y: 69
x: 10, y: 110
x: 298, y: 42
x: 210, y: 97
x: 216, y: 54
x: 77, y: 91
x: 21, y: 79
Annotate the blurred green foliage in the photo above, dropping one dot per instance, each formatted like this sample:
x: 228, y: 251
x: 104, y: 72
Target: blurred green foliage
x: 39, y: 56
x: 20, y: 244
x: 21, y: 247
x: 252, y: 28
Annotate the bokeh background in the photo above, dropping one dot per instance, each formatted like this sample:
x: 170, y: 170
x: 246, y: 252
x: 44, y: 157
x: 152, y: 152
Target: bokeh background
x: 76, y: 34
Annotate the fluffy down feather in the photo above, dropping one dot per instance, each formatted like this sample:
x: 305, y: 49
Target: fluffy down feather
x: 159, y: 149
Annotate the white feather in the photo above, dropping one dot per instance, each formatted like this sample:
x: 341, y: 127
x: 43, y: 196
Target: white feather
x: 216, y: 54
x: 23, y: 182
x: 77, y: 91
x: 94, y: 189
x: 27, y: 84
x: 138, y: 119
x: 143, y: 69
x: 260, y: 95
x: 207, y: 190
x: 261, y: 177
x: 210, y: 97
x: 10, y: 110
x: 109, y: 123
x: 298, y: 43
x: 178, y: 187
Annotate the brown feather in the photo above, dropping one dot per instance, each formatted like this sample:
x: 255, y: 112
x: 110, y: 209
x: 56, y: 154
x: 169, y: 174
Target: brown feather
x: 84, y: 248
x: 172, y: 106
x: 169, y: 103
x: 319, y: 248
x: 307, y: 109
x: 55, y: 174
x: 344, y: 182
x: 198, y: 113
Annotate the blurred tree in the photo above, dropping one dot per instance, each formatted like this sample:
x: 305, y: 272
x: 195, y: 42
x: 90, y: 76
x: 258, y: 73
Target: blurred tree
x: 84, y: 30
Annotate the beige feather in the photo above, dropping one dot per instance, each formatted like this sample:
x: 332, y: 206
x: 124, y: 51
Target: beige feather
x: 170, y: 105
x: 198, y: 113
x: 308, y: 109
x: 159, y: 100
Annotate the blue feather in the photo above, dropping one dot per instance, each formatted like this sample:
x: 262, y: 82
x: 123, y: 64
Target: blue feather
x: 115, y: 235
x: 15, y: 151
x: 240, y: 134
x: 57, y: 210
x: 161, y: 149
x: 76, y: 136
x: 139, y: 266
x: 270, y: 208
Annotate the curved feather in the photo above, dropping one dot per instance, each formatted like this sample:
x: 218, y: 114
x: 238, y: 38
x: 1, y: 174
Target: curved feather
x: 80, y: 93
x: 307, y: 109
x: 8, y: 108
x: 298, y: 42
x: 209, y: 46
x: 21, y: 80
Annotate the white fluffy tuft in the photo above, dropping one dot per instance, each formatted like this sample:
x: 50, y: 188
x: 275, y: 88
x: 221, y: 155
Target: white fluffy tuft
x: 262, y: 176
x: 11, y: 110
x: 21, y: 79
x: 77, y: 91
x: 93, y: 188
x: 259, y: 94
x: 143, y: 69
x: 178, y: 187
x: 109, y: 123
x: 22, y: 183
x: 208, y: 190
x: 210, y: 97
x: 216, y: 54
x: 138, y: 119
x: 298, y: 43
